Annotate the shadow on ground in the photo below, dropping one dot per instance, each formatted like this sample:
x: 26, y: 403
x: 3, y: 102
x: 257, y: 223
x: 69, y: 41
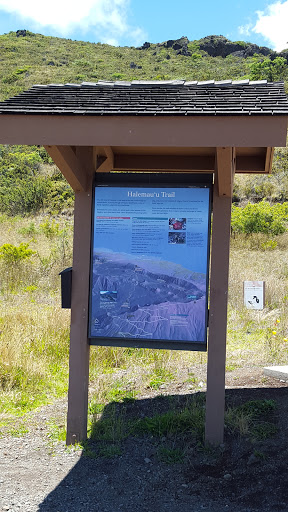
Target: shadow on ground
x: 131, y: 466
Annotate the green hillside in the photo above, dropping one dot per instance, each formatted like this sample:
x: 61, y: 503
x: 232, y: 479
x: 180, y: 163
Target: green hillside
x: 28, y: 59
x: 28, y: 180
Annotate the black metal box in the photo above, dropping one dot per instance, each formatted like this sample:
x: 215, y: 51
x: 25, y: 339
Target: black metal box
x: 66, y: 287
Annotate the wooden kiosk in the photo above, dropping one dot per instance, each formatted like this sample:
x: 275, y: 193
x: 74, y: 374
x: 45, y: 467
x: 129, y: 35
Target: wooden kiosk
x: 213, y: 127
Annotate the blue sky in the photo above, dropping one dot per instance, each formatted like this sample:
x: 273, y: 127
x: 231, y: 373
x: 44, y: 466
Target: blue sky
x: 131, y: 22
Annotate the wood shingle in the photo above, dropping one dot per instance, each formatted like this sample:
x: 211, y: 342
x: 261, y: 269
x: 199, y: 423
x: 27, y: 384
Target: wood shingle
x: 152, y: 98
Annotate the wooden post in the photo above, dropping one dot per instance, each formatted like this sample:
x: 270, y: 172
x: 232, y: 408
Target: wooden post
x: 215, y: 396
x: 79, y: 346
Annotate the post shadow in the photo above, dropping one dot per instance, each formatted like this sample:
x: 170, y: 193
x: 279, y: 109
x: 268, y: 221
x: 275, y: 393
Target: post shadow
x: 136, y: 478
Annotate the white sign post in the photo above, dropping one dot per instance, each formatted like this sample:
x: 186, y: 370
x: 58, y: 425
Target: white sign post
x: 254, y: 294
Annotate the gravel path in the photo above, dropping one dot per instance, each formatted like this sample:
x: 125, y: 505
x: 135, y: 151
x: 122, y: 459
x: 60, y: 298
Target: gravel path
x: 39, y: 475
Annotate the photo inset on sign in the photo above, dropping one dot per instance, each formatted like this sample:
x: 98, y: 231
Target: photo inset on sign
x: 149, y: 263
x: 176, y: 238
x: 177, y: 224
x: 108, y: 296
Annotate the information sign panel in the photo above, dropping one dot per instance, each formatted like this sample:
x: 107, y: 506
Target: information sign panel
x: 149, y: 263
x: 254, y: 294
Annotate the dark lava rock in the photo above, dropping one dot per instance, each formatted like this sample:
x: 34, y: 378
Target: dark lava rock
x: 20, y: 33
x: 219, y: 46
x: 262, y: 50
x: 144, y: 46
x: 133, y: 65
x: 176, y: 44
x: 240, y: 53
x: 185, y: 52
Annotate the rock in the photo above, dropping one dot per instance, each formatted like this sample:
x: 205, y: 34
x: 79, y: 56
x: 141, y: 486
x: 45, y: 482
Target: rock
x: 227, y: 476
x: 262, y: 50
x: 180, y: 46
x: 219, y: 46
x: 185, y: 52
x: 147, y: 460
x: 133, y: 65
x: 21, y: 33
x: 252, y: 460
x: 240, y: 54
x: 144, y: 46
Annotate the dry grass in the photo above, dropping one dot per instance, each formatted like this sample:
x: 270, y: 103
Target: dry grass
x: 34, y: 335
x: 258, y: 337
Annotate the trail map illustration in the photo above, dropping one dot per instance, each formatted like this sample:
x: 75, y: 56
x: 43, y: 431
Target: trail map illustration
x: 149, y: 263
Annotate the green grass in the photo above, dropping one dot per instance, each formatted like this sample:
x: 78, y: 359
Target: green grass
x: 178, y: 431
x: 170, y: 455
x: 110, y: 428
x: 159, y: 377
x: 13, y: 427
x: 55, y: 432
x: 110, y: 451
x: 253, y: 419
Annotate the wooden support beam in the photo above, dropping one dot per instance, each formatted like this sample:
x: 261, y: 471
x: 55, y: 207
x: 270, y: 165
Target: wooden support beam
x: 268, y: 160
x: 85, y: 157
x: 104, y: 159
x: 68, y: 163
x: 174, y: 163
x: 226, y: 165
x: 160, y: 163
x: 79, y: 345
x: 215, y: 396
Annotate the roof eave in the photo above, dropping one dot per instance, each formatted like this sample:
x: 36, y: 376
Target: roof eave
x: 164, y: 131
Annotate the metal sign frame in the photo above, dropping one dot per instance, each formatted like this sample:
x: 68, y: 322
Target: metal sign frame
x: 141, y: 182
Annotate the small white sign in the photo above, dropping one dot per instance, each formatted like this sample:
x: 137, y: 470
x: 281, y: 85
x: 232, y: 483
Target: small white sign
x: 254, y: 294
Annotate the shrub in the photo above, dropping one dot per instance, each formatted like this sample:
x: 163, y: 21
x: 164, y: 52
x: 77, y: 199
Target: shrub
x: 13, y: 259
x: 260, y: 218
x: 267, y: 69
x: 12, y: 255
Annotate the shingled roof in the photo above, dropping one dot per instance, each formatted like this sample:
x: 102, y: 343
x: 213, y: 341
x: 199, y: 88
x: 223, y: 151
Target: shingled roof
x: 152, y: 98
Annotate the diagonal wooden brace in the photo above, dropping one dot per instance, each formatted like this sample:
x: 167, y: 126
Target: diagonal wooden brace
x: 66, y: 160
x: 104, y: 159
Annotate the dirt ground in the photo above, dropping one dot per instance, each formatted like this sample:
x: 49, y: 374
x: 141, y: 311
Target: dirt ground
x: 242, y: 475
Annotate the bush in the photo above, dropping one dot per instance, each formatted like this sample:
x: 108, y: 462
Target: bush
x: 14, y: 261
x: 260, y: 218
x: 23, y: 189
x: 267, y: 69
x: 13, y: 255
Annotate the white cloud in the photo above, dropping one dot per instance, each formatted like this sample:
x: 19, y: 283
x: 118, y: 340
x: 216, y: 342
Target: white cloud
x: 272, y: 24
x: 107, y: 18
x: 245, y: 30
